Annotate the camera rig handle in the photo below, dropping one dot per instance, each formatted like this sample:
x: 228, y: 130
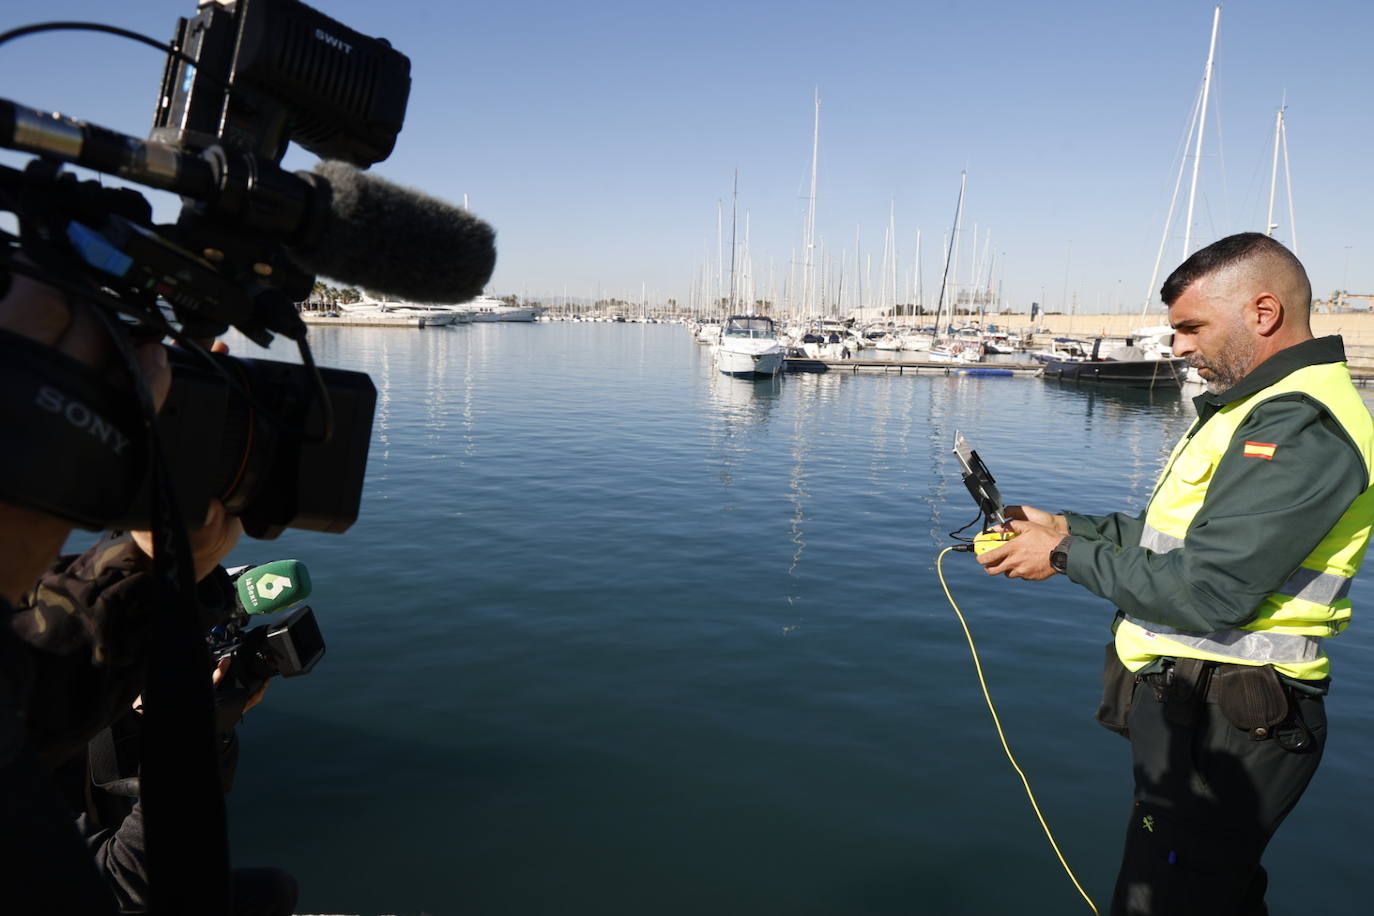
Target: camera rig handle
x: 224, y: 261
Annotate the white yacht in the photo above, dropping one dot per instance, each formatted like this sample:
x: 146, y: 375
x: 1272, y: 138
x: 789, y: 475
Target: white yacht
x: 488, y: 308
x: 748, y: 347
x: 382, y: 314
x: 432, y: 316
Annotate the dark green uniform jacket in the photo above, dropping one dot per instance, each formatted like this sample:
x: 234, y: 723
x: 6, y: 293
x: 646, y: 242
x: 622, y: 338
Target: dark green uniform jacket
x: 1254, y: 528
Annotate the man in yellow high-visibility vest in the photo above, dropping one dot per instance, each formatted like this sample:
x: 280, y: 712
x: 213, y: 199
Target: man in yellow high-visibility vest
x: 1227, y: 584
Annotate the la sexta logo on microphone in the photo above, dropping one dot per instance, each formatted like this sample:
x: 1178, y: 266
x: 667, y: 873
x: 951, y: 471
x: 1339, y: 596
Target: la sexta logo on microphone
x: 271, y: 585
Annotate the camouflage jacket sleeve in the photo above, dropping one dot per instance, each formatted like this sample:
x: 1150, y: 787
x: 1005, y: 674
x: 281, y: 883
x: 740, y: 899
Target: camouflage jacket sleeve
x: 83, y: 629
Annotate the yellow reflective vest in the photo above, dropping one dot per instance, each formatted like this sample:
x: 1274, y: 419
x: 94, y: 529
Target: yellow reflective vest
x: 1313, y: 602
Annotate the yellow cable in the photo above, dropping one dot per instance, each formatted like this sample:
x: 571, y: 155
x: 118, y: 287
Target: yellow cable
x: 939, y: 569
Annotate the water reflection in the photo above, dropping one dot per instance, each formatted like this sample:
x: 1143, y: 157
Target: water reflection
x: 797, y: 496
x: 1141, y: 428
x: 746, y: 401
x: 1144, y: 396
x: 740, y: 412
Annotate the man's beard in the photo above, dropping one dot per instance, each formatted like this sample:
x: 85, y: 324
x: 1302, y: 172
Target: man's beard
x: 1229, y: 364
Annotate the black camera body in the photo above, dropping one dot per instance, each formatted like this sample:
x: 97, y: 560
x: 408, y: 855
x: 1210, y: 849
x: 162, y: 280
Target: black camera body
x: 273, y: 478
x: 281, y: 444
x: 289, y: 647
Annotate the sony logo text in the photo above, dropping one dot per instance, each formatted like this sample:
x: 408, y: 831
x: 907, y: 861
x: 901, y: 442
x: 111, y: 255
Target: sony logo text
x: 82, y: 417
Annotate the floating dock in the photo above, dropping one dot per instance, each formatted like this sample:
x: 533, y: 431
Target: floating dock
x: 1362, y: 378
x: 908, y: 367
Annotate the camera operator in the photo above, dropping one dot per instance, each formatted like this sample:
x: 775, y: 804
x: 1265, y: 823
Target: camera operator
x: 243, y: 81
x: 58, y: 690
x: 74, y: 647
x: 103, y: 787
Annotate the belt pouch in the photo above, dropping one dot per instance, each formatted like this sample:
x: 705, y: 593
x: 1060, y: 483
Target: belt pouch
x: 1118, y: 684
x: 1251, y: 697
x: 1185, y: 688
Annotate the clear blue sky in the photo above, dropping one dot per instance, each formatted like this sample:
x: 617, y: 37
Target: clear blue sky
x: 598, y: 136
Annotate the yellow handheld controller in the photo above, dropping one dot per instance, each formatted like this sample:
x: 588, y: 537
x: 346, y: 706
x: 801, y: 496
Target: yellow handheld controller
x: 990, y: 540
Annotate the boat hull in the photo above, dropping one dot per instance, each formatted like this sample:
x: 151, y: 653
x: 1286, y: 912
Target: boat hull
x: 1147, y: 373
x: 739, y: 364
x: 509, y: 313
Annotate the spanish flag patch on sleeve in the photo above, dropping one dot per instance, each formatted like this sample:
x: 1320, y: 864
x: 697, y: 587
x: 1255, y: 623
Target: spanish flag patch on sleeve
x: 1263, y: 450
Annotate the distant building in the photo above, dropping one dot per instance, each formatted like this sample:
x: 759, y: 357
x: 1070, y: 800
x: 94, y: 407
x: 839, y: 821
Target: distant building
x: 1342, y: 301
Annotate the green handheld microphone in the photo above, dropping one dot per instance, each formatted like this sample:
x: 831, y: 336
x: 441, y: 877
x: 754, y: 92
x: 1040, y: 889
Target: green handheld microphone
x: 272, y: 587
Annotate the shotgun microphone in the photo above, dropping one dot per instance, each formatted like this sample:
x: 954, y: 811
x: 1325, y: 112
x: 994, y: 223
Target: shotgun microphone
x: 395, y: 240
x: 337, y: 221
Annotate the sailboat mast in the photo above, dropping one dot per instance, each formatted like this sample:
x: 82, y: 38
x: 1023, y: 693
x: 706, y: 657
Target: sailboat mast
x: 720, y: 257
x: 892, y: 248
x: 858, y: 301
x: 944, y: 278
x: 808, y: 281
x: 1288, y: 183
x: 1269, y: 224
x: 1202, y: 124
x: 809, y: 234
x: 734, y: 209
x: 920, y: 302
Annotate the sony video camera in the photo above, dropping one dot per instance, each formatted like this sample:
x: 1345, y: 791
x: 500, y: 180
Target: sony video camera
x: 283, y: 445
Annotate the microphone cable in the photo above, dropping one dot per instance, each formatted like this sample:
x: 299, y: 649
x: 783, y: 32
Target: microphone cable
x: 997, y: 721
x: 139, y: 37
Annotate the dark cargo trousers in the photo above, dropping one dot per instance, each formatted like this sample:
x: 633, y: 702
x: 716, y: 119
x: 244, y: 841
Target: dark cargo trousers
x: 1208, y: 798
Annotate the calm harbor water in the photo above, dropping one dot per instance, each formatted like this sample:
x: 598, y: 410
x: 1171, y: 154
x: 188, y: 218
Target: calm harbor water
x: 615, y: 634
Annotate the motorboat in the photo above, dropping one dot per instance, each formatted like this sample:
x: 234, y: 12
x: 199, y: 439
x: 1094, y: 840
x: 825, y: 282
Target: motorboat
x: 964, y: 345
x: 828, y: 338
x: 997, y: 340
x: 382, y: 314
x: 433, y: 316
x: 956, y: 350
x: 707, y: 332
x: 488, y: 308
x: 918, y: 339
x: 1063, y: 349
x: 1143, y: 362
x: 748, y: 347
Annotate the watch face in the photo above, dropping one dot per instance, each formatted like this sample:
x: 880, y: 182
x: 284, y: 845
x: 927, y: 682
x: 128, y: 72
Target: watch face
x: 1059, y: 558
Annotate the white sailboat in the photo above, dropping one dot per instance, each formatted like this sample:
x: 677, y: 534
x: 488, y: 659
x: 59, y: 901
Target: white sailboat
x: 952, y: 347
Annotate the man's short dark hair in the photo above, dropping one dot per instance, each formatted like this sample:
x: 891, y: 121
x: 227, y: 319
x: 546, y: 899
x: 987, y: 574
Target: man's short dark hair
x: 1233, y: 250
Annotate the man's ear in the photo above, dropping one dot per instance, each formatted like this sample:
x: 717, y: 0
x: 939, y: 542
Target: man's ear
x: 1268, y: 313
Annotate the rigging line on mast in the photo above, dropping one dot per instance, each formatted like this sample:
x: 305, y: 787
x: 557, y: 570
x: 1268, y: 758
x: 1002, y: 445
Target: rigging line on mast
x: 1269, y: 224
x: 1221, y: 152
x: 944, y: 278
x: 1173, y: 201
x: 1202, y: 125
x: 1288, y: 182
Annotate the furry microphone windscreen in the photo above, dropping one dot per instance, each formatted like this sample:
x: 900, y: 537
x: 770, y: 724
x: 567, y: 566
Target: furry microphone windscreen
x: 398, y: 241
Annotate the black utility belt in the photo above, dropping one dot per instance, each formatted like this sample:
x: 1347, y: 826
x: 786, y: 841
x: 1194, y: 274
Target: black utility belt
x: 1252, y: 697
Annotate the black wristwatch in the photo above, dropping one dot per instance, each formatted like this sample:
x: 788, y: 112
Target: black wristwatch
x: 1059, y: 556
